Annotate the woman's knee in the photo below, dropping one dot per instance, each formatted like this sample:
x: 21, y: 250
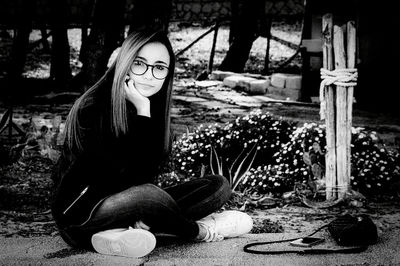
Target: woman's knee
x: 134, y: 195
x: 220, y: 183
x: 151, y: 192
x: 151, y: 188
x: 218, y: 180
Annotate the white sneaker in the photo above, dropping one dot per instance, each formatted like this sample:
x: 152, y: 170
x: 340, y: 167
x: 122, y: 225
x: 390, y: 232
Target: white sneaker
x: 130, y: 242
x: 228, y: 223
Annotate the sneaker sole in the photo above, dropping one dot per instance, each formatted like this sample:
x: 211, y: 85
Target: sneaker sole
x: 130, y: 243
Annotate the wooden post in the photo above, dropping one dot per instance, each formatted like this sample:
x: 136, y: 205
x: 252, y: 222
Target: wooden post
x: 330, y: 172
x: 339, y: 106
x: 351, y: 63
x: 341, y: 114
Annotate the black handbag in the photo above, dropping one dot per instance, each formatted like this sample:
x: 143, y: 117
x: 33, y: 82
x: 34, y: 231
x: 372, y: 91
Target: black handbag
x: 347, y: 230
x: 350, y: 230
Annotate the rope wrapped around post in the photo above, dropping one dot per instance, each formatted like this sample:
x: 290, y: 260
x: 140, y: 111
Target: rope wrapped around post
x: 345, y: 77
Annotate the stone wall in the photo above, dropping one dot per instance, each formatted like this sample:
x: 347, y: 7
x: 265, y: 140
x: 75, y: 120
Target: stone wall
x: 11, y: 12
x: 200, y: 10
x: 206, y: 10
x: 182, y: 10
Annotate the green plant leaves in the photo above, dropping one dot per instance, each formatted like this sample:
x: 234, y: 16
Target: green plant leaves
x: 242, y: 165
x: 215, y: 162
x: 238, y: 169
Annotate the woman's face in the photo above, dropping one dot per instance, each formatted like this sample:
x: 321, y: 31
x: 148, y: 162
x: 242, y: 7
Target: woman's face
x: 155, y: 58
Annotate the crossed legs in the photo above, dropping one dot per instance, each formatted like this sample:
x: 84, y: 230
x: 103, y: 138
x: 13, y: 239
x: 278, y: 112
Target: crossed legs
x: 172, y: 210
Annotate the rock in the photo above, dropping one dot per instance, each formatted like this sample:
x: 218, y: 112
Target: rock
x: 278, y: 80
x: 286, y: 94
x: 245, y: 83
x: 238, y: 81
x: 221, y: 75
x: 259, y: 86
x: 293, y: 82
x: 207, y: 83
x: 232, y: 81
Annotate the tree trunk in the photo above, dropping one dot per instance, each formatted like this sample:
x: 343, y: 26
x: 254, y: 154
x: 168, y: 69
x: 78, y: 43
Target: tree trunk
x: 246, y: 30
x: 151, y: 14
x: 12, y: 87
x: 60, y: 70
x: 235, y: 6
x: 108, y: 21
x: 21, y: 39
x: 19, y: 51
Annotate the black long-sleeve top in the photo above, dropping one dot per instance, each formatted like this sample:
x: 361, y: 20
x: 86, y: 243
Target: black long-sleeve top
x: 106, y: 165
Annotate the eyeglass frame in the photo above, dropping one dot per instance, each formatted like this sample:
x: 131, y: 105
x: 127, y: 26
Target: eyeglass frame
x: 147, y: 68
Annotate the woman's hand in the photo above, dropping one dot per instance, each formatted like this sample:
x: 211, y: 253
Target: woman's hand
x: 141, y: 102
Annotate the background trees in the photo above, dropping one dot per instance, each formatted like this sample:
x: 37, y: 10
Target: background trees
x: 249, y: 21
x: 106, y: 20
x: 106, y: 32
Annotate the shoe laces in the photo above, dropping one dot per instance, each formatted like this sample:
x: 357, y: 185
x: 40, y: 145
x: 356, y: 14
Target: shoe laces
x: 212, y: 235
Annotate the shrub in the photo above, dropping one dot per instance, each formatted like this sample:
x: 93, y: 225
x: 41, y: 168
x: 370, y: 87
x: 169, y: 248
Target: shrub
x: 286, y: 155
x: 302, y: 160
x: 191, y: 153
x: 374, y: 167
x: 290, y: 162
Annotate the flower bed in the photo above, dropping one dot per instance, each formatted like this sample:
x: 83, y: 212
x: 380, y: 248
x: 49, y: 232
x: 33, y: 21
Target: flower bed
x: 286, y: 155
x: 191, y: 153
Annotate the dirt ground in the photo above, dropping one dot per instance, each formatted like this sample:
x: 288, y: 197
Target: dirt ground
x: 25, y: 185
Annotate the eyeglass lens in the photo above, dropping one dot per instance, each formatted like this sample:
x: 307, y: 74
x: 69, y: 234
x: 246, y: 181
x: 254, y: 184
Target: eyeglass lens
x: 158, y: 71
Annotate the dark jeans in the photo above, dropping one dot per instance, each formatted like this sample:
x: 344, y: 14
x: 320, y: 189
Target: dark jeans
x: 172, y: 210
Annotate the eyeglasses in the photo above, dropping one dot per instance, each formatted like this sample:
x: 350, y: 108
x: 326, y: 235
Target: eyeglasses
x: 158, y: 71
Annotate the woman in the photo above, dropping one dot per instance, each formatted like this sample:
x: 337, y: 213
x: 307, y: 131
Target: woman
x: 117, y: 136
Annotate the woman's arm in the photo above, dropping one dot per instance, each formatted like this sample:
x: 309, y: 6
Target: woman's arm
x: 133, y: 157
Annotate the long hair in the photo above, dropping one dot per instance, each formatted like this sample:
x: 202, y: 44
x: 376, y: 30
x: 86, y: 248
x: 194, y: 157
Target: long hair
x: 159, y: 102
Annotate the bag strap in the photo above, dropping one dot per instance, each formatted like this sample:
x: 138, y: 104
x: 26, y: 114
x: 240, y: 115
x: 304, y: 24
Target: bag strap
x: 304, y: 251
x: 247, y: 247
